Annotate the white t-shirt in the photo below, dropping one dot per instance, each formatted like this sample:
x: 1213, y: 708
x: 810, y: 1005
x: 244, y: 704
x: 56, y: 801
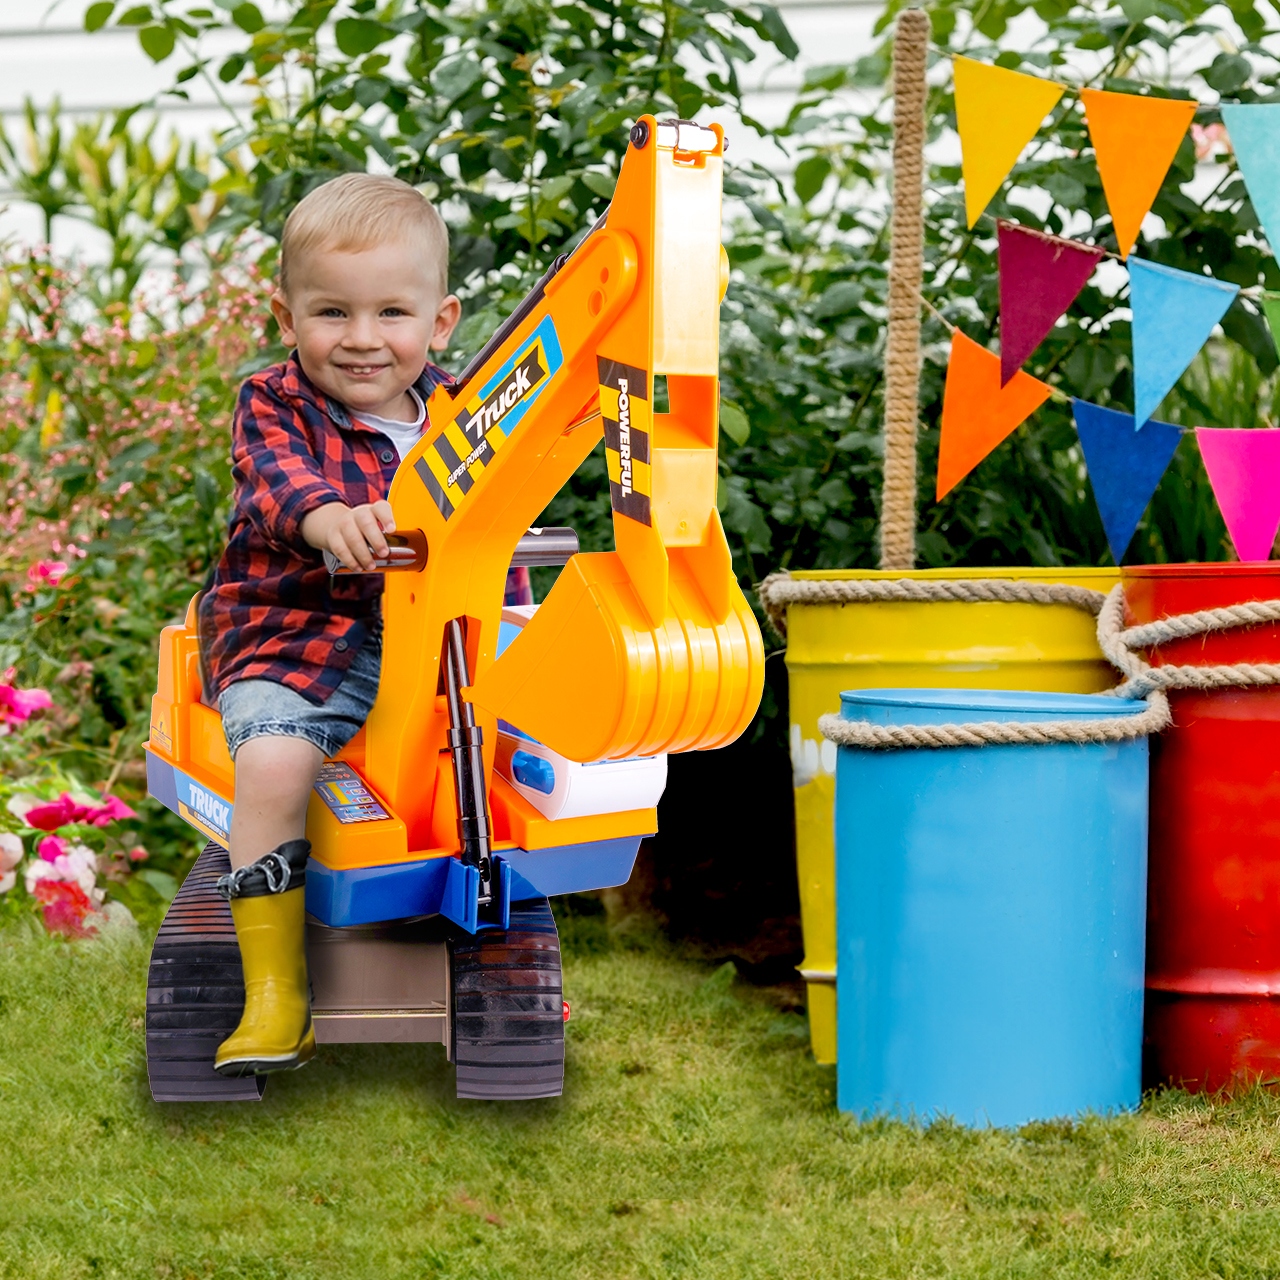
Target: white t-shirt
x: 404, y: 435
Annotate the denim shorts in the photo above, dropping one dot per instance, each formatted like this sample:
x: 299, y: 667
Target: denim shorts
x: 265, y: 709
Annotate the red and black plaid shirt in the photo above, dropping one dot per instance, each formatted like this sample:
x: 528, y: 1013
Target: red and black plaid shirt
x: 273, y: 612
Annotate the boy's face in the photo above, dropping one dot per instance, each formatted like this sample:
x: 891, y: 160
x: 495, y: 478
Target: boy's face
x: 363, y: 323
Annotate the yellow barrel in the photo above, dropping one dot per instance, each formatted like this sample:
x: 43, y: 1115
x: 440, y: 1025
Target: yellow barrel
x: 938, y: 644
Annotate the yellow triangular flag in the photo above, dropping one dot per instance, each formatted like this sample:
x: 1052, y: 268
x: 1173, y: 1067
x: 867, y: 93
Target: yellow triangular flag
x: 997, y: 113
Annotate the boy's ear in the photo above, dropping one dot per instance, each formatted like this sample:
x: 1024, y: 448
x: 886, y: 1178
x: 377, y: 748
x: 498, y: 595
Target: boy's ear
x: 447, y: 316
x: 284, y: 318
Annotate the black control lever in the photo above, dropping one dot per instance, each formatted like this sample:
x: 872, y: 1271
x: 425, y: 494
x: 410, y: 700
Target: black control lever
x: 466, y: 741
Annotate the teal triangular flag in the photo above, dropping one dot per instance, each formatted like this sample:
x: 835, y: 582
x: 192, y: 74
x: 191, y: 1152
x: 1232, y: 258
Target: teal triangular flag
x: 1124, y: 466
x: 1255, y: 138
x: 1173, y: 314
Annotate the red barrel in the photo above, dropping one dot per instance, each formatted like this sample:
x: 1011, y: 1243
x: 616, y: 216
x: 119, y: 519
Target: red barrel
x: 1213, y: 902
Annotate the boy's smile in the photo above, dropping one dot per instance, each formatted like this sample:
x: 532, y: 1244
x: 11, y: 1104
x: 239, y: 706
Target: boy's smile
x: 364, y: 321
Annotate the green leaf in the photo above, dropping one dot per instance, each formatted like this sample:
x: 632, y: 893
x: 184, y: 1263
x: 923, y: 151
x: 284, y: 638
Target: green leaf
x: 231, y: 68
x: 733, y: 422
x: 810, y: 176
x: 838, y: 299
x: 157, y: 42
x: 777, y: 31
x: 358, y: 36
x: 829, y: 76
x: 1229, y: 74
x: 1067, y: 191
x: 161, y: 881
x: 96, y: 15
x: 135, y: 17
x: 555, y: 189
x: 248, y: 17
x: 599, y: 183
x: 1139, y: 10
x: 453, y: 78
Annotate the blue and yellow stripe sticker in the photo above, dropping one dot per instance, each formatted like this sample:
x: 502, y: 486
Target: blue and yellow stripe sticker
x: 458, y: 456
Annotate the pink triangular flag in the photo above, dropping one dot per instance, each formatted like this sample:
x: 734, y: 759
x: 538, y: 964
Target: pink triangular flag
x: 1040, y: 277
x: 1244, y: 470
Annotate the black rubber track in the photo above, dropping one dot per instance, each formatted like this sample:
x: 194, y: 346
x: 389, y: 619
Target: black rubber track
x: 195, y: 992
x: 508, y: 1008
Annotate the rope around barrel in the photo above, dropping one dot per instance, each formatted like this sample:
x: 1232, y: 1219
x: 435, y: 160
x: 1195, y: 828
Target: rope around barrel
x: 1119, y: 644
x: 780, y: 589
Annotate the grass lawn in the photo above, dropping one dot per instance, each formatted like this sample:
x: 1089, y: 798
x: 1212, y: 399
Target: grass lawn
x: 695, y: 1139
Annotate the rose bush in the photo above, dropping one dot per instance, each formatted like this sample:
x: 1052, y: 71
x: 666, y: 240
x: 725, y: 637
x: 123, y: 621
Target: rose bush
x: 114, y: 431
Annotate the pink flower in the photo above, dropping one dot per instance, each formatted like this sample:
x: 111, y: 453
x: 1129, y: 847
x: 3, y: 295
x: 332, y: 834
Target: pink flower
x: 1209, y: 138
x: 45, y: 573
x: 66, y: 808
x: 51, y: 848
x: 17, y: 704
x: 138, y: 854
x: 66, y: 908
x: 56, y: 813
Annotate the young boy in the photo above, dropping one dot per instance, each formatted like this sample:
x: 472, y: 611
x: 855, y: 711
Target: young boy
x: 291, y: 654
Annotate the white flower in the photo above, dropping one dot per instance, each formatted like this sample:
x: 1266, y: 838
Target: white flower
x: 79, y: 865
x: 10, y: 853
x: 38, y: 869
x: 8, y: 880
x: 21, y: 803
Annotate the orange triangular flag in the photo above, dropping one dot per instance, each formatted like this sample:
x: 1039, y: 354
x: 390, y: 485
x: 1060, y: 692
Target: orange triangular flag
x: 977, y: 413
x: 997, y: 113
x: 1134, y: 141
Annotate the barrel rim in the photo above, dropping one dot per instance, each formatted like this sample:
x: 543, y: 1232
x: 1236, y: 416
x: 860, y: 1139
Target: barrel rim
x: 1020, y: 701
x: 1018, y: 573
x: 1204, y: 569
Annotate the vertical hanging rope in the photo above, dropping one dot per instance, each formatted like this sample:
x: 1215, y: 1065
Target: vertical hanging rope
x: 902, y: 349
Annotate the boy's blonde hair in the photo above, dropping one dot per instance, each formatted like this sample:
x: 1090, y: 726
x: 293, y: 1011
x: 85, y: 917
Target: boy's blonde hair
x: 358, y: 211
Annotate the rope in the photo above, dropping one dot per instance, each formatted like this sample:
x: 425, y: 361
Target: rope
x: 780, y: 589
x: 858, y: 733
x: 906, y: 266
x: 1118, y: 643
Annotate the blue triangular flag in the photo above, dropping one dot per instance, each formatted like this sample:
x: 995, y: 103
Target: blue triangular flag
x: 1124, y: 466
x: 1255, y: 138
x: 1173, y: 314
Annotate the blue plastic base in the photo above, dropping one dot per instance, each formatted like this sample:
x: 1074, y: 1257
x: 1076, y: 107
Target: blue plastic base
x: 431, y: 886
x: 444, y: 886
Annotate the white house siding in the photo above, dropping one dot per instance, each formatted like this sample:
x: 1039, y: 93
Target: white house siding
x: 45, y: 54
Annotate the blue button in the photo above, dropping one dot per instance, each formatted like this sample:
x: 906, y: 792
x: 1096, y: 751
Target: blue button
x: 388, y: 456
x: 340, y: 645
x: 533, y: 772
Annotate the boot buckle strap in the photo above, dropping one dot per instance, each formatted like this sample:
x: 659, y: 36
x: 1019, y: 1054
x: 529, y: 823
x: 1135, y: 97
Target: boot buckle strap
x: 275, y: 870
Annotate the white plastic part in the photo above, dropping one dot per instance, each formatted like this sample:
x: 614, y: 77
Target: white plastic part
x: 560, y: 788
x: 680, y: 135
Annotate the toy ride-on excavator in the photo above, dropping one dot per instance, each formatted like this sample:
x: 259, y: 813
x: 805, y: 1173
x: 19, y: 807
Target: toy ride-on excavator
x: 512, y: 754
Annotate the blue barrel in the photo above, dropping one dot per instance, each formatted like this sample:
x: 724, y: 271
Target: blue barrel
x: 991, y: 914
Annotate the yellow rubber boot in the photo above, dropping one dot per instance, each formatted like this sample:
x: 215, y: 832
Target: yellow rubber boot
x: 267, y: 905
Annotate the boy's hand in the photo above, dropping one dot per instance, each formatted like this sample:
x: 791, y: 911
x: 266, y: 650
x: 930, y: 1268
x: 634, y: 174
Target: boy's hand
x: 353, y: 534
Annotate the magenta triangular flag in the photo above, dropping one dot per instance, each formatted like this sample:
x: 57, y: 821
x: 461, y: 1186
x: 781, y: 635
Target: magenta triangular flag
x: 1244, y: 470
x: 1040, y: 277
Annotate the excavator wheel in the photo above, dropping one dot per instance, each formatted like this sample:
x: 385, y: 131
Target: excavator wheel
x: 508, y: 1008
x: 195, y: 992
